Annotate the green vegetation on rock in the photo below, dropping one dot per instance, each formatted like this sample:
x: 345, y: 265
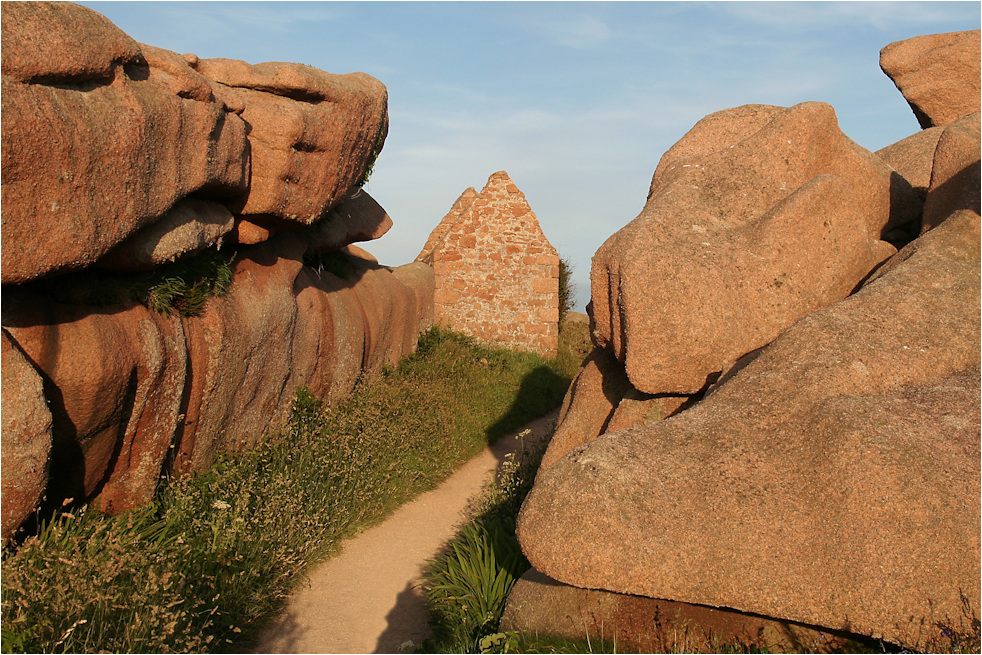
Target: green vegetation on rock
x: 183, y: 286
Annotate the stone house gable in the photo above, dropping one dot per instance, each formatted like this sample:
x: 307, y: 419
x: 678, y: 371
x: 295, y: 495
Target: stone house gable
x: 497, y: 275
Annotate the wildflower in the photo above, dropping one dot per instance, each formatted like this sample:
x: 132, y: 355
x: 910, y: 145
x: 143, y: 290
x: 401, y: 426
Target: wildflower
x: 220, y: 504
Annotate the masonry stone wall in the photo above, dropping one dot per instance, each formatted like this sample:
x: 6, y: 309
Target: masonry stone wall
x: 497, y: 276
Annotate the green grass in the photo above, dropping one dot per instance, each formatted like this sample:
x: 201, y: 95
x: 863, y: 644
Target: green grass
x: 183, y: 286
x: 215, y: 555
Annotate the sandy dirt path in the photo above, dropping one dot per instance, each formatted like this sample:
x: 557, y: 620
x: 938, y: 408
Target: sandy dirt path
x: 365, y: 599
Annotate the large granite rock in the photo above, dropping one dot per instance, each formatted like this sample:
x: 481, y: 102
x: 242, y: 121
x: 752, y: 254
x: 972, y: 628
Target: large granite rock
x: 602, y: 399
x: 188, y: 228
x: 114, y: 381
x: 104, y: 137
x: 834, y: 480
x: 955, y: 178
x: 938, y: 75
x: 357, y: 218
x: 25, y: 446
x: 100, y: 138
x: 913, y: 158
x: 539, y: 605
x: 134, y: 394
x: 241, y: 352
x: 125, y: 157
x: 757, y: 217
x: 312, y: 135
x: 589, y: 404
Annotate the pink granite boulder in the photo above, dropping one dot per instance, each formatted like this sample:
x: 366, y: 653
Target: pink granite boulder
x: 26, y: 439
x: 955, y: 178
x: 357, y: 218
x: 312, y: 135
x: 913, y: 158
x: 833, y: 481
x: 759, y: 216
x: 938, y: 75
x: 100, y: 140
x: 189, y: 227
x: 114, y: 379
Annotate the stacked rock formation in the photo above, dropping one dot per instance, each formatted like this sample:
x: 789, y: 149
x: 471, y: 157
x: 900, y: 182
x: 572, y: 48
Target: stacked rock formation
x: 820, y: 459
x: 497, y: 275
x: 123, y: 157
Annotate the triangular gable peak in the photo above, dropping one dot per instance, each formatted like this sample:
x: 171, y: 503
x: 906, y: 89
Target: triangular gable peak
x: 497, y: 276
x: 461, y: 205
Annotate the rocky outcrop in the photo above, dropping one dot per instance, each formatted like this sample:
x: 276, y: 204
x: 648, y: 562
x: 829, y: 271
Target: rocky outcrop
x: 602, y: 399
x: 757, y: 217
x: 113, y: 382
x: 827, y: 470
x: 132, y: 391
x: 121, y: 158
x: 497, y: 275
x: 815, y: 485
x: 311, y: 135
x: 76, y: 139
x: 189, y: 227
x: 938, y: 75
x: 104, y: 138
x: 913, y: 158
x: 357, y: 218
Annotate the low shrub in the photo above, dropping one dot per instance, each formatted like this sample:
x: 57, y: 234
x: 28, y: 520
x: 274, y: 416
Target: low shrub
x: 567, y: 291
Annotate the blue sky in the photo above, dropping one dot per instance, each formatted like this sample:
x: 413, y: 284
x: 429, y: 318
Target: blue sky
x: 576, y: 100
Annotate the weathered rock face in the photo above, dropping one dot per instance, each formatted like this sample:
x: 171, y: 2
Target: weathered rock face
x: 497, y: 276
x: 311, y: 134
x: 833, y: 481
x: 913, y: 158
x: 591, y: 400
x: 125, y: 157
x: 955, y: 178
x: 26, y: 441
x: 357, y: 218
x: 938, y: 75
x: 103, y: 137
x: 125, y: 385
x: 759, y: 216
x: 103, y: 369
x: 76, y: 136
x: 602, y: 399
x: 189, y: 227
x: 540, y: 605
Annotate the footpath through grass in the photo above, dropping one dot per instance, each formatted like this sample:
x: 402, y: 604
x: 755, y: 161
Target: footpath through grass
x: 215, y: 555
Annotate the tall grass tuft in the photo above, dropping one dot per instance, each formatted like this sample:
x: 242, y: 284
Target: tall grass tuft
x: 216, y: 554
x: 183, y: 286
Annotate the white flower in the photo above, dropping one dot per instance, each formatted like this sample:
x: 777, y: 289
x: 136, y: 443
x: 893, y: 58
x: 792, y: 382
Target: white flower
x: 220, y: 504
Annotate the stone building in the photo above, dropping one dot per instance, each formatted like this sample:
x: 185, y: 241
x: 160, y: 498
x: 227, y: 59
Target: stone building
x: 497, y: 276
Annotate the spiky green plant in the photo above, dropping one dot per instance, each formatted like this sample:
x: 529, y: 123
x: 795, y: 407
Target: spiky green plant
x: 468, y: 585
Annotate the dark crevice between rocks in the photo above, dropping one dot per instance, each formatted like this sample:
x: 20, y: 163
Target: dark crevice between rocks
x: 177, y: 439
x: 711, y: 379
